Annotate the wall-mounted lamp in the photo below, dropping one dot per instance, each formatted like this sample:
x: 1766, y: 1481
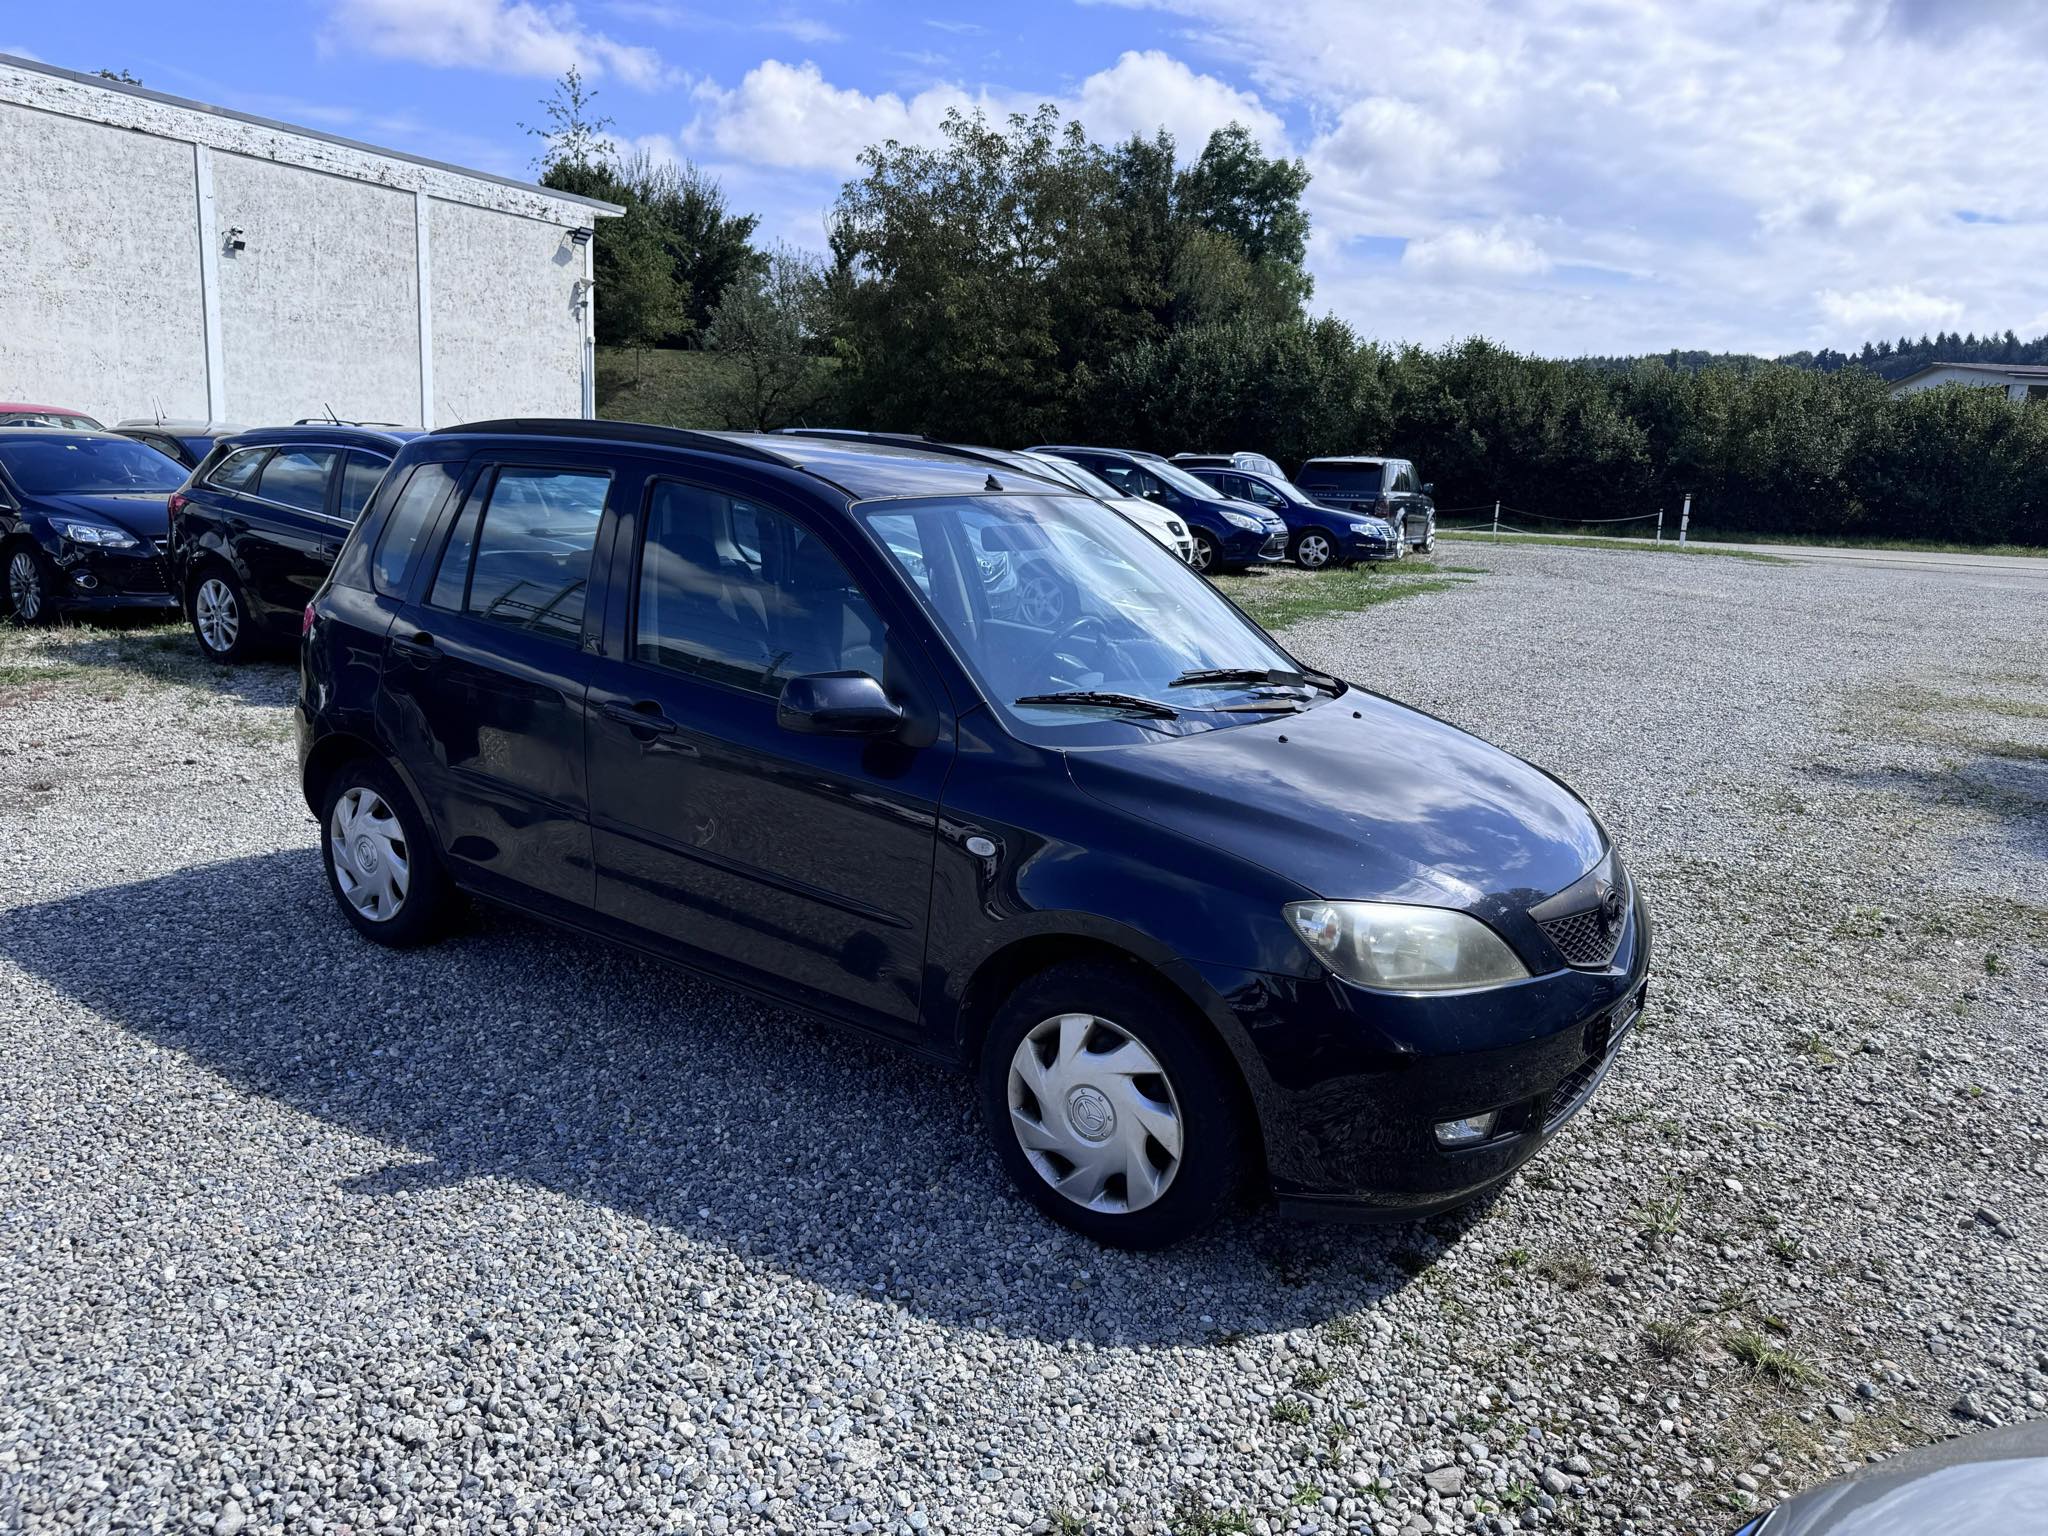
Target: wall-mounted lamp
x: 234, y: 240
x: 580, y: 236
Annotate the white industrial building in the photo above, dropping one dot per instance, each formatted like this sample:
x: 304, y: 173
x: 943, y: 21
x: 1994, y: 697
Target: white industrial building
x: 2016, y: 381
x: 164, y: 256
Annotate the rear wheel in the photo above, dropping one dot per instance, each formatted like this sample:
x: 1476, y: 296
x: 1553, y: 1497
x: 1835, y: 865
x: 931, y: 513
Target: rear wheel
x: 219, y: 611
x: 1207, y: 559
x: 382, y: 865
x: 31, y: 585
x: 1111, y: 1107
x: 1314, y: 549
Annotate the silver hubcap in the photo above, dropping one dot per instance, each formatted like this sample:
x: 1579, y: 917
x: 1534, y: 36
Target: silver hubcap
x: 25, y: 585
x: 1094, y: 1113
x: 371, y: 862
x: 1205, y: 554
x: 216, y: 615
x: 1314, y: 550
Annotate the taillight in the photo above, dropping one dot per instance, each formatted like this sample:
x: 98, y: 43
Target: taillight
x: 176, y: 504
x: 306, y: 622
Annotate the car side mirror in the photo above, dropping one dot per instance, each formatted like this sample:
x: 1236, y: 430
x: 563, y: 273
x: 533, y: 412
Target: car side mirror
x: 1429, y: 487
x: 837, y: 704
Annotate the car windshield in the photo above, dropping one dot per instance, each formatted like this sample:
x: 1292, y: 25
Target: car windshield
x: 63, y: 466
x: 1341, y: 479
x: 1180, y: 479
x: 1077, y: 625
x: 1081, y: 479
x: 64, y: 420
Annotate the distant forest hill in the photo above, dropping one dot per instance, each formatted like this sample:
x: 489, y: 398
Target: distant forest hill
x: 1887, y: 359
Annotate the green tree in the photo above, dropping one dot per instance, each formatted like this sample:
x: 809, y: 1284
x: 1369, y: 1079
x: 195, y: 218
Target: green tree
x: 767, y: 332
x: 575, y: 138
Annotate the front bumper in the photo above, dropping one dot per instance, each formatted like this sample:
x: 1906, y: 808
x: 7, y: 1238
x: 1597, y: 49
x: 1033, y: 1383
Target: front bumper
x: 92, y: 577
x: 1237, y: 546
x: 1349, y: 1084
x: 1358, y: 547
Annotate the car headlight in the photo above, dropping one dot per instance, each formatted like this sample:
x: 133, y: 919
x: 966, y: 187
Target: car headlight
x: 1239, y: 520
x: 98, y: 534
x: 1399, y: 948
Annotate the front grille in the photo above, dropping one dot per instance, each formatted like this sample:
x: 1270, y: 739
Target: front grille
x: 1585, y: 939
x: 1604, y: 1037
x: 1276, y: 546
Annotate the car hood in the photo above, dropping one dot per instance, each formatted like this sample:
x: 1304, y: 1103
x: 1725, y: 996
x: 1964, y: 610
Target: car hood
x: 1140, y: 510
x: 143, y: 513
x: 1359, y: 798
x: 1990, y: 1483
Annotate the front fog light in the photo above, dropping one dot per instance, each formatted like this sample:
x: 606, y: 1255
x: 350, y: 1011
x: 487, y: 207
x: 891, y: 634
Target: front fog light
x: 1468, y: 1131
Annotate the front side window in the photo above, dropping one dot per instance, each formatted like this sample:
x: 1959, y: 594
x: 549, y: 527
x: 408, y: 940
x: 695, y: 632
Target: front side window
x: 359, y: 479
x: 237, y: 472
x: 297, y: 478
x: 736, y: 592
x: 1044, y: 595
x: 521, y: 557
x: 54, y: 466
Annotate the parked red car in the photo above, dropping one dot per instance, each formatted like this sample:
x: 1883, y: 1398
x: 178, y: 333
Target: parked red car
x: 16, y: 413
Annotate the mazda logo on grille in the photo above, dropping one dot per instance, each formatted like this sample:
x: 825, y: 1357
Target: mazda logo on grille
x: 1611, y: 906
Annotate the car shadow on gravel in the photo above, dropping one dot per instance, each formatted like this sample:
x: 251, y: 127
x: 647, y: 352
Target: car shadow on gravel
x: 514, y: 1054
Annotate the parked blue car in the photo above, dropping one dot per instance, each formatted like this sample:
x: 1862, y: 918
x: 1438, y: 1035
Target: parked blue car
x: 1229, y: 535
x: 1198, y: 918
x: 254, y: 530
x: 1317, y: 535
x: 82, y: 521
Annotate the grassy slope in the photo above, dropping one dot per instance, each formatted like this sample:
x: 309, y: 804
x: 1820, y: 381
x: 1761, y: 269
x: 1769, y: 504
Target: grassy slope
x: 665, y: 388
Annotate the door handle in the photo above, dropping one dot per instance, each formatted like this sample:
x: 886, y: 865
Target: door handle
x: 646, y: 715
x: 418, y: 646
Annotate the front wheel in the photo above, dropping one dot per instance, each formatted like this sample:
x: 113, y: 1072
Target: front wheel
x: 1111, y: 1107
x: 219, y: 612
x: 31, y: 585
x: 381, y: 862
x: 1314, y: 550
x: 1207, y: 558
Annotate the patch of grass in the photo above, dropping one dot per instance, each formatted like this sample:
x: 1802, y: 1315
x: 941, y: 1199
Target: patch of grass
x: 1343, y: 1332
x: 1660, y: 1217
x: 1514, y: 1258
x: 1312, y: 1378
x: 1290, y: 1410
x: 1066, y: 1523
x: 1922, y: 546
x: 1306, y: 1496
x: 1771, y: 1361
x: 1644, y: 546
x: 1194, y: 1516
x: 1813, y: 1045
x: 1992, y: 964
x: 1784, y: 1247
x: 1276, y: 599
x: 1567, y: 1271
x: 1667, y: 1340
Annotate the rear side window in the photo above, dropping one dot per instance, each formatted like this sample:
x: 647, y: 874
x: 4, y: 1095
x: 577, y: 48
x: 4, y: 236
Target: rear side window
x: 739, y: 593
x: 411, y: 515
x: 237, y: 472
x: 523, y: 559
x: 359, y: 477
x: 297, y: 478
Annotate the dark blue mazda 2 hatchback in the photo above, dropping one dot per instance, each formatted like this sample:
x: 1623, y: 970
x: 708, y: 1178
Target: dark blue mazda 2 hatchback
x: 1199, y: 918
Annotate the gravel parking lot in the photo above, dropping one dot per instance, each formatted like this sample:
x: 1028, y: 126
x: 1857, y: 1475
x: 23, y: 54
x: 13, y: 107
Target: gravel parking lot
x: 522, y: 1234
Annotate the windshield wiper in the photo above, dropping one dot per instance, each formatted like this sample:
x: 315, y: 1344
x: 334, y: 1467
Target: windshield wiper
x: 1264, y: 704
x: 1089, y: 698
x: 1278, y: 677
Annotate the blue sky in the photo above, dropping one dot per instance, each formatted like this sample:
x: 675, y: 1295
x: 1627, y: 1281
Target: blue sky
x: 1565, y: 176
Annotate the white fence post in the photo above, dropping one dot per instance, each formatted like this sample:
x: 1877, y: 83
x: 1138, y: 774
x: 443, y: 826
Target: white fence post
x: 1496, y: 522
x: 1660, y: 527
x: 1684, y: 517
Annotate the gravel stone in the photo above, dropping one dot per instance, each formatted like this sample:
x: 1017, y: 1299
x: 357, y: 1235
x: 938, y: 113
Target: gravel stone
x: 521, y: 1233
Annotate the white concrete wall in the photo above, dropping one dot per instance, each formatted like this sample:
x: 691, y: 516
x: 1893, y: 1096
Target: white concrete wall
x: 2014, y: 389
x: 110, y: 250
x: 519, y: 278
x: 99, y: 268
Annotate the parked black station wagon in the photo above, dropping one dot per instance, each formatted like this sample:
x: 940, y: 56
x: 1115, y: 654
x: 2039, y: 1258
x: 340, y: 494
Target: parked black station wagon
x: 1198, y: 917
x: 255, y: 528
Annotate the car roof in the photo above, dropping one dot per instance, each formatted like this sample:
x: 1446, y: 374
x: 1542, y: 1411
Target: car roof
x: 178, y: 428
x: 336, y: 436
x: 22, y: 431
x: 48, y: 410
x: 1353, y: 458
x: 863, y: 469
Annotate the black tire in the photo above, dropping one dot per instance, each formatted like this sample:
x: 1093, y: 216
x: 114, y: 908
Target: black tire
x: 429, y: 899
x: 1311, y: 540
x: 1200, y: 1083
x: 28, y: 583
x: 214, y: 585
x: 1208, y: 558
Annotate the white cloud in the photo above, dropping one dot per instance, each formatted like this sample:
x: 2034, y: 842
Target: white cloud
x: 1143, y: 92
x: 1462, y: 252
x: 1878, y: 311
x: 508, y: 36
x: 805, y: 29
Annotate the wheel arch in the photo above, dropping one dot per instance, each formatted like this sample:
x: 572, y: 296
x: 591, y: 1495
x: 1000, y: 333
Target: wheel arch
x: 327, y: 755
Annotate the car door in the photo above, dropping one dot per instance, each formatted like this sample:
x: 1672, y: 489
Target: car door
x: 285, y: 531
x: 485, y: 671
x: 797, y: 864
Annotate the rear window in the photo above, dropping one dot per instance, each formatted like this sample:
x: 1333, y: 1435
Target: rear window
x: 1340, y: 479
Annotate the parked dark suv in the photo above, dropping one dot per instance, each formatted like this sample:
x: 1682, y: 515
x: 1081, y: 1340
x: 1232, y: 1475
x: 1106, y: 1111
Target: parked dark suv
x: 260, y: 521
x: 1196, y: 915
x: 1229, y: 535
x: 1383, y: 488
